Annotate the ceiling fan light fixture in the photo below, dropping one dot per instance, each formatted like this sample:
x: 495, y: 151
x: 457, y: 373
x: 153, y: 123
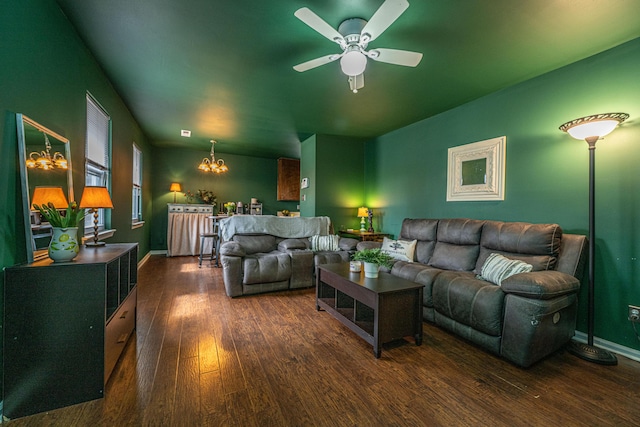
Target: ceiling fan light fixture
x: 353, y: 63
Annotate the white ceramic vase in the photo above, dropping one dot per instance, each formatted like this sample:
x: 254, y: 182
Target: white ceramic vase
x: 371, y: 270
x: 64, y: 244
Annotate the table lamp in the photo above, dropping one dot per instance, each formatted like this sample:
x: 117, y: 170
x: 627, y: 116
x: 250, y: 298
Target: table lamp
x: 94, y: 198
x: 175, y: 187
x: 362, y: 214
x: 42, y: 196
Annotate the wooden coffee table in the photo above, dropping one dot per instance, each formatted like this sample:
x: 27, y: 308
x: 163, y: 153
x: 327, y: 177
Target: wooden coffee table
x: 378, y: 310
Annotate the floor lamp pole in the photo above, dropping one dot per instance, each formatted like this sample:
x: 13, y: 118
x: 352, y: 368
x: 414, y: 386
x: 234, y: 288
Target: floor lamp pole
x: 588, y: 351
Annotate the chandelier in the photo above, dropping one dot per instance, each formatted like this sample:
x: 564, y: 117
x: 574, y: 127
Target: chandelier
x: 213, y: 165
x: 44, y: 160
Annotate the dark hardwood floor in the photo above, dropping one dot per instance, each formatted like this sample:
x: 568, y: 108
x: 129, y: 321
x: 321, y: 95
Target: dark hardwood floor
x: 200, y: 358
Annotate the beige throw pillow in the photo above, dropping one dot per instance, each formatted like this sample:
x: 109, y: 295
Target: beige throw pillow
x: 402, y: 250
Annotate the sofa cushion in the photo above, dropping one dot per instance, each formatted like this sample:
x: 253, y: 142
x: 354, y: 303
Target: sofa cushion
x: 402, y: 250
x: 325, y: 243
x: 266, y: 268
x: 348, y: 244
x: 256, y: 243
x: 292, y: 244
x: 424, y: 231
x: 535, y: 244
x: 473, y: 302
x: 330, y: 257
x: 497, y: 268
x: 458, y: 242
x: 419, y: 273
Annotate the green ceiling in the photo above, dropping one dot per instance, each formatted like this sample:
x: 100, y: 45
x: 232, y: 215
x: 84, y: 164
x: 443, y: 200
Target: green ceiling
x: 223, y: 69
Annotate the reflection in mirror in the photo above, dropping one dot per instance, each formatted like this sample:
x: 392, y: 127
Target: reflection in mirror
x: 45, y: 162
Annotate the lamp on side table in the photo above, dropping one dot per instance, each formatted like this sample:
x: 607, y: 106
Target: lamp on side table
x: 94, y: 198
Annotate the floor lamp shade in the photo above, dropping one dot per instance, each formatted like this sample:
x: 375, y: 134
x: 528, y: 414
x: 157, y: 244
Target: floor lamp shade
x: 591, y: 129
x: 95, y: 198
x: 42, y: 196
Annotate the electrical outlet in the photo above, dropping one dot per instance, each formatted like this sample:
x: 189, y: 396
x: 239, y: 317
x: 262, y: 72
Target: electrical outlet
x: 634, y: 313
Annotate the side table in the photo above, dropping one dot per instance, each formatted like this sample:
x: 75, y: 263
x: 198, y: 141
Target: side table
x: 364, y: 235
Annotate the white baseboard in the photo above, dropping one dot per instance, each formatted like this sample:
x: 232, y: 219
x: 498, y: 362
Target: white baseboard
x: 158, y: 252
x: 630, y: 353
x: 144, y: 259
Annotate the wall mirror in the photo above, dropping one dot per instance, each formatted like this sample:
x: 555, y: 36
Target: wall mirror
x: 45, y: 161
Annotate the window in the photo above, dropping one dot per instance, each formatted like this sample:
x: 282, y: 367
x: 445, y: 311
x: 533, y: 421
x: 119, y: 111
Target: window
x: 97, y: 154
x: 136, y: 196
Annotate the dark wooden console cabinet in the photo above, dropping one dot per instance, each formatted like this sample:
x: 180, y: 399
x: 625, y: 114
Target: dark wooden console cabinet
x: 65, y: 326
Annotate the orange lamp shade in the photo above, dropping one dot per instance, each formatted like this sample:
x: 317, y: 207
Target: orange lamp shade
x: 175, y: 186
x: 363, y: 212
x: 95, y: 197
x: 42, y: 196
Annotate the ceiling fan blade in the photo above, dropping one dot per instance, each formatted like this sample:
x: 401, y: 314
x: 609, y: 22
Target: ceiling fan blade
x: 395, y: 56
x: 316, y: 62
x: 314, y: 21
x: 384, y: 16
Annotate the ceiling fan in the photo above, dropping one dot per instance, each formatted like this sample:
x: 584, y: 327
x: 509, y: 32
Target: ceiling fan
x: 353, y: 36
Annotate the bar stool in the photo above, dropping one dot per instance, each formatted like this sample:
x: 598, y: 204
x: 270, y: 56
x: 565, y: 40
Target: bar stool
x: 214, y: 246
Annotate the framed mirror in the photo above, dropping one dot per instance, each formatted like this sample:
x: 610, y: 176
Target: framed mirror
x: 45, y: 165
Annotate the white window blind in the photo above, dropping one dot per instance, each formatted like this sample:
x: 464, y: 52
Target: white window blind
x: 136, y: 197
x: 97, y: 153
x: 97, y: 147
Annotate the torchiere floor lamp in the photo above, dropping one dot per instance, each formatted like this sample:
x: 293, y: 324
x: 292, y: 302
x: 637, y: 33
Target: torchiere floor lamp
x: 590, y: 129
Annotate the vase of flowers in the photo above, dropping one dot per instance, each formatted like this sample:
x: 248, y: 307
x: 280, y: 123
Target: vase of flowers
x: 230, y: 207
x: 207, y: 197
x: 64, y: 242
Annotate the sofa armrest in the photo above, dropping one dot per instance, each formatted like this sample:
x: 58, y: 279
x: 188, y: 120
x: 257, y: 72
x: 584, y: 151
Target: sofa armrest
x: 232, y: 249
x: 348, y: 244
x: 368, y: 245
x: 541, y: 284
x: 232, y: 274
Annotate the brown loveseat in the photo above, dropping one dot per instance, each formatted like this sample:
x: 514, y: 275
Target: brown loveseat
x: 528, y: 316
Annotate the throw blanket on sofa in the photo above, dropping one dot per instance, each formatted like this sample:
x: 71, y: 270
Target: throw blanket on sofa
x: 285, y: 227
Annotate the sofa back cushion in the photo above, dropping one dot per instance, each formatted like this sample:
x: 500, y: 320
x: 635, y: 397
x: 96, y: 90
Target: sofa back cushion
x: 535, y: 244
x: 458, y: 244
x: 424, y: 231
x: 255, y: 243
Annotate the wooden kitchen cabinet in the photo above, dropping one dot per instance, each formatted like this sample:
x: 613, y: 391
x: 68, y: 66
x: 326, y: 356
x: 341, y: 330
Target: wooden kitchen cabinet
x: 288, y: 179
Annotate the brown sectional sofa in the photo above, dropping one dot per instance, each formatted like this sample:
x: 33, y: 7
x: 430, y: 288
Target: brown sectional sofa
x: 526, y: 318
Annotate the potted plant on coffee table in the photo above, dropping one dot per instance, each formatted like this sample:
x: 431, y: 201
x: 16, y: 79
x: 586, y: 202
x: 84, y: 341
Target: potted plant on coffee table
x: 373, y: 259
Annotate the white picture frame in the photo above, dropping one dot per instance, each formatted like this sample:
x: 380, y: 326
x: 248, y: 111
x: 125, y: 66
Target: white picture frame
x: 476, y: 171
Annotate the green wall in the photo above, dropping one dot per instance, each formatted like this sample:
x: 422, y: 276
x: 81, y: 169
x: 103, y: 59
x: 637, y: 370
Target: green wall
x: 335, y: 168
x: 46, y: 71
x: 546, y: 170
x: 308, y: 170
x: 248, y: 177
